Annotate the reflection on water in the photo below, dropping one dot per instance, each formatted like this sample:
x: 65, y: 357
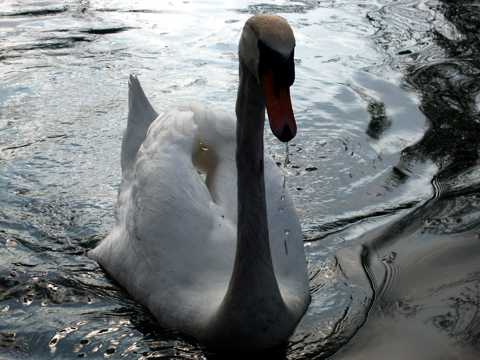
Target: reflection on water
x: 428, y: 294
x: 384, y: 170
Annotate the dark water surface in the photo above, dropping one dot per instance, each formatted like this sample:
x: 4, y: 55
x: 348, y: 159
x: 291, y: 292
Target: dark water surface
x: 384, y: 171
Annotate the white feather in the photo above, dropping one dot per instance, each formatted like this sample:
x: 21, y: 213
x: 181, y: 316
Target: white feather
x: 174, y: 243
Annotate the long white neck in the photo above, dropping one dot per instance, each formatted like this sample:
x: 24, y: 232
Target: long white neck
x: 253, y: 303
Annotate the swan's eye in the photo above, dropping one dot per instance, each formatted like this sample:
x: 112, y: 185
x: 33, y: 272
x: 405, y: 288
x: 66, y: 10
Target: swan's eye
x: 282, y: 68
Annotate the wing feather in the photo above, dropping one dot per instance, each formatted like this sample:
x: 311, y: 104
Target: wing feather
x: 140, y: 115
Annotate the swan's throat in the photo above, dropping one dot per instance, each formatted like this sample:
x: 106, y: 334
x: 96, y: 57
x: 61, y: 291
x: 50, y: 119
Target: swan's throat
x: 252, y: 230
x: 253, y: 303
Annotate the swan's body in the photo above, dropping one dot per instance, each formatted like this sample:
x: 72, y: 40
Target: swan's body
x: 174, y: 246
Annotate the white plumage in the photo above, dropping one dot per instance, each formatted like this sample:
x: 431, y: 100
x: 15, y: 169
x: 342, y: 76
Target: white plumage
x: 174, y: 243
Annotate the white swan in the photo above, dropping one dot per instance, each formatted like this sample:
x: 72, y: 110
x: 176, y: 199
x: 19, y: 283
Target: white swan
x: 218, y: 256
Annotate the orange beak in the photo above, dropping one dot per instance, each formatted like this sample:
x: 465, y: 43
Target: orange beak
x: 279, y: 108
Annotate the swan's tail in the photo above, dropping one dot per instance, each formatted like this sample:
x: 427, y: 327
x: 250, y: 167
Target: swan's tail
x: 138, y: 103
x: 140, y: 116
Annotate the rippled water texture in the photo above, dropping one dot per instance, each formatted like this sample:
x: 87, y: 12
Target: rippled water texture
x: 384, y: 170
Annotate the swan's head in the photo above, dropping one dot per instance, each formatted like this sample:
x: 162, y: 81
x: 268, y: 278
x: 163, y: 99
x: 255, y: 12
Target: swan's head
x: 266, y: 50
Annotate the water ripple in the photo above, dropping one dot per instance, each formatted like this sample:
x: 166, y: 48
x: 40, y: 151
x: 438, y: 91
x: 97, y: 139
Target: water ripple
x: 383, y: 171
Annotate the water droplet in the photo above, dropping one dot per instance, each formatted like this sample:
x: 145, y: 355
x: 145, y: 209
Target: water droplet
x: 203, y: 147
x: 287, y: 156
x: 285, y: 245
x: 285, y: 163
